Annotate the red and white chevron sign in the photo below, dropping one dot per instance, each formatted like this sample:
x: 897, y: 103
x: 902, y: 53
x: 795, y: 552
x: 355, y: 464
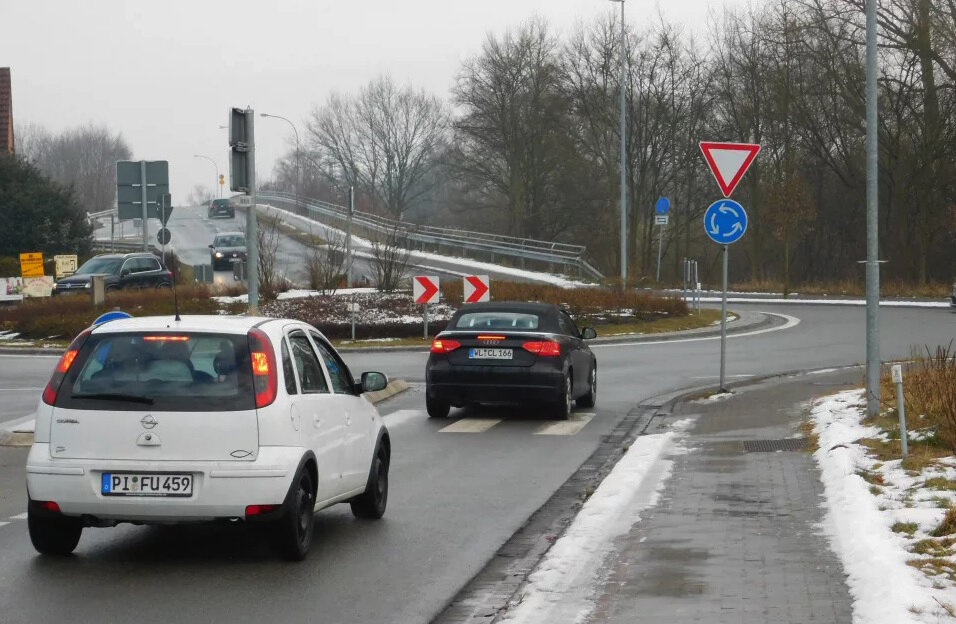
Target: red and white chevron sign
x: 477, y: 288
x: 425, y: 288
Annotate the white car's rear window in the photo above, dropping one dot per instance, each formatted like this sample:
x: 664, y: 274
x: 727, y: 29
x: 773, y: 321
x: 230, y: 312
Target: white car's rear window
x: 180, y: 371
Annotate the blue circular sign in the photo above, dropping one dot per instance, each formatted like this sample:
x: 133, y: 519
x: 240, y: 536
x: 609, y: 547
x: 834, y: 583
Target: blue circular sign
x: 725, y: 221
x: 663, y: 205
x: 115, y: 315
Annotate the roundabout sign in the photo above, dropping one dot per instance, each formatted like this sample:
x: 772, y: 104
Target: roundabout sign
x: 725, y: 221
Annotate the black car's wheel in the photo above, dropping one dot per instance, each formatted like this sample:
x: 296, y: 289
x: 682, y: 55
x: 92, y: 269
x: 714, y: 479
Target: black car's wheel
x: 562, y: 409
x: 371, y: 503
x: 436, y: 408
x: 293, y: 531
x: 589, y: 399
x: 53, y: 536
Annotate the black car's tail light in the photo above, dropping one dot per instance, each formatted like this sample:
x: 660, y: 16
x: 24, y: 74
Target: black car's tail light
x: 63, y: 366
x: 264, y: 374
x: 543, y: 347
x: 443, y: 345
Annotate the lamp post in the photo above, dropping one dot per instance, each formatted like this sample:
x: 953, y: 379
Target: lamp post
x: 218, y: 186
x: 297, y: 150
x: 623, y: 154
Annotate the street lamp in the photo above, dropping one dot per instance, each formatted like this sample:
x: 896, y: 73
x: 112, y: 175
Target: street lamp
x: 297, y: 150
x: 623, y: 155
x: 218, y: 186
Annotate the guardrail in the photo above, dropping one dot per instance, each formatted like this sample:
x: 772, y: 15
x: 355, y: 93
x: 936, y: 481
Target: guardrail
x: 442, y: 238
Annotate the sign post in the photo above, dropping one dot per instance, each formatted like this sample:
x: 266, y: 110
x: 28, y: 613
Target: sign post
x: 477, y: 288
x: 725, y: 221
x: 425, y: 291
x: 661, y: 218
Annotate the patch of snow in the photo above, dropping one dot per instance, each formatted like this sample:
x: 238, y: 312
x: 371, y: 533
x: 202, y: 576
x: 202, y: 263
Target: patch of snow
x: 851, y: 302
x: 885, y: 590
x: 560, y: 588
x: 714, y: 398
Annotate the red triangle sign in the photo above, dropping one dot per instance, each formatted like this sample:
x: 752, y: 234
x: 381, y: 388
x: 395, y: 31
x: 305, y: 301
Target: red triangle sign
x: 729, y: 162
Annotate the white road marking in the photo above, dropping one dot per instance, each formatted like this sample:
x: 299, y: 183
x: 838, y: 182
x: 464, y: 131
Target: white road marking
x: 20, y: 389
x: 3, y: 524
x: 568, y: 427
x: 22, y: 516
x: 471, y: 425
x: 792, y: 321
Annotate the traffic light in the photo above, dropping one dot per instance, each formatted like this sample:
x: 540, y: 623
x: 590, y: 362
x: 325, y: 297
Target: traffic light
x: 222, y: 179
x: 240, y: 142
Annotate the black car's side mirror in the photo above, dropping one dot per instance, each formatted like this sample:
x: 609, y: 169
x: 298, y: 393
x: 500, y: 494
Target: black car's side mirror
x: 211, y: 246
x: 373, y: 381
x: 125, y: 272
x: 588, y: 333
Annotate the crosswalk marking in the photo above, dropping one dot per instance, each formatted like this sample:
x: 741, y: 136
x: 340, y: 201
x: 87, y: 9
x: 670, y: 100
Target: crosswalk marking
x: 471, y: 425
x: 571, y: 426
x: 22, y: 516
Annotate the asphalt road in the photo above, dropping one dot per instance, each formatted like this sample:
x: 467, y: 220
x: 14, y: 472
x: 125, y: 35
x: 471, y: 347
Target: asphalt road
x: 455, y: 497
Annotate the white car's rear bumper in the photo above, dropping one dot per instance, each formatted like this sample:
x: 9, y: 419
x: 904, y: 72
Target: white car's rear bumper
x: 220, y: 489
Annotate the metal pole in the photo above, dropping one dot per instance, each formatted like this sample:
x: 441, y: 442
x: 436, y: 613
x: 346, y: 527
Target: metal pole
x: 872, y: 221
x: 660, y: 245
x: 426, y: 322
x: 902, y: 413
x: 252, y: 236
x: 623, y: 156
x: 348, y: 239
x: 162, y: 218
x: 723, y: 326
x: 142, y: 186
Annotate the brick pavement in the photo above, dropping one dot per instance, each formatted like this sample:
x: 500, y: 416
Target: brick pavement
x: 734, y: 537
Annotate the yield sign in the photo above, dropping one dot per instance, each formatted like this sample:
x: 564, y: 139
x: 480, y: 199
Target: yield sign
x: 729, y: 162
x: 425, y: 288
x: 476, y: 288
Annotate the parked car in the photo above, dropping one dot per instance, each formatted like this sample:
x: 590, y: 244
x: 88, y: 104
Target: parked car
x: 511, y: 353
x: 219, y: 208
x: 226, y: 249
x: 132, y: 270
x: 952, y: 299
x: 155, y: 420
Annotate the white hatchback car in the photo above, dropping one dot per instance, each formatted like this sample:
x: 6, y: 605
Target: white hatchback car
x: 156, y: 420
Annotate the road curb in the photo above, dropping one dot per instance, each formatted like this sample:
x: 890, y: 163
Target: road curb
x: 16, y: 439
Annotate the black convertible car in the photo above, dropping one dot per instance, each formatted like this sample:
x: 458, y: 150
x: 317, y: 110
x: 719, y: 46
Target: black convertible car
x: 510, y: 352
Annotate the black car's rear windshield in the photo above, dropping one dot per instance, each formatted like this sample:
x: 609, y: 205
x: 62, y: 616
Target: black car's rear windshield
x: 190, y: 372
x: 220, y: 202
x: 497, y: 320
x: 100, y: 265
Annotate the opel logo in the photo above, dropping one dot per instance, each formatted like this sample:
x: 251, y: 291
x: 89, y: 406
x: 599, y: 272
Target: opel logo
x: 148, y: 421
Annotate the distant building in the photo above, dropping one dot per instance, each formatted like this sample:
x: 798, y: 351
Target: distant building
x: 6, y: 111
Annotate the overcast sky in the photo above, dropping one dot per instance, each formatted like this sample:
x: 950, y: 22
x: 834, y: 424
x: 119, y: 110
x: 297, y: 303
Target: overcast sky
x: 164, y: 72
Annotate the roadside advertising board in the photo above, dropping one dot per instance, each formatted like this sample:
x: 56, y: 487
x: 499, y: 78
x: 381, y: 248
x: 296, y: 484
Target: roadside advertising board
x: 65, y: 265
x: 31, y: 264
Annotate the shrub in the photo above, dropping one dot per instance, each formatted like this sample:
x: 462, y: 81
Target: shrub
x: 929, y: 389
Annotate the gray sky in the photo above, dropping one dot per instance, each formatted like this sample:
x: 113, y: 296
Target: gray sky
x: 164, y: 72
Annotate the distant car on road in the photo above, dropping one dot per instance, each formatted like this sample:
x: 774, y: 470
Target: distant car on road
x: 226, y: 249
x: 510, y: 352
x: 219, y: 208
x: 132, y: 270
x: 161, y: 421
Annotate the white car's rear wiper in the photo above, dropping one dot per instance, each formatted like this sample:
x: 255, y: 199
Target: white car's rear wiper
x: 114, y: 396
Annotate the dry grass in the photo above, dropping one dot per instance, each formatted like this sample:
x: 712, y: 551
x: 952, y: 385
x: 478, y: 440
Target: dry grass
x: 905, y: 527
x: 921, y: 454
x: 948, y: 525
x: 929, y: 389
x: 935, y: 566
x: 940, y: 483
x: 855, y: 288
x: 935, y: 547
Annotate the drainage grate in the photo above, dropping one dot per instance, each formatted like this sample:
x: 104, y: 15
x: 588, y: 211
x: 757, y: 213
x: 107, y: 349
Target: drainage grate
x: 770, y: 446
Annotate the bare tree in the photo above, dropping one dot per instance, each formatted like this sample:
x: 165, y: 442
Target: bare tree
x: 390, y: 255
x: 326, y: 262
x: 385, y: 141
x: 83, y: 157
x: 199, y: 196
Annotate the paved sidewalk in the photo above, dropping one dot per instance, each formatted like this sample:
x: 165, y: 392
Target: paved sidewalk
x: 734, y: 536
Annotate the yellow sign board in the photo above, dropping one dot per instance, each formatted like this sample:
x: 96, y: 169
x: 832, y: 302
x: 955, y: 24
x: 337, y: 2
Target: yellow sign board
x: 31, y: 264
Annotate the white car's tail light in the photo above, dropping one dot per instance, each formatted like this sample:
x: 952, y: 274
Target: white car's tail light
x: 264, y: 374
x: 63, y: 366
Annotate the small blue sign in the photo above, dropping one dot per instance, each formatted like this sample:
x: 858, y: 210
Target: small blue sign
x: 725, y: 221
x: 663, y: 205
x: 115, y: 315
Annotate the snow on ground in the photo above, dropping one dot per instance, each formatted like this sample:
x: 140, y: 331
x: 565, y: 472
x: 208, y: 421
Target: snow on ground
x: 560, y: 588
x: 714, y: 398
x: 853, y: 302
x: 859, y: 515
